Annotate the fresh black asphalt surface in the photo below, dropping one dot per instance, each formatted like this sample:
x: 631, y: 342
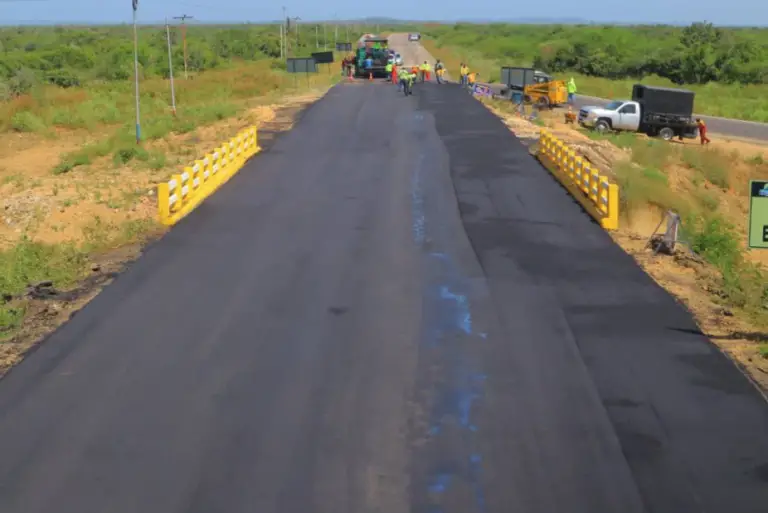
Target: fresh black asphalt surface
x: 393, y: 309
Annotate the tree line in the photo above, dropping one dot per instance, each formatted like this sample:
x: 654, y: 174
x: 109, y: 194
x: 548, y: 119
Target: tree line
x: 695, y: 54
x: 71, y: 57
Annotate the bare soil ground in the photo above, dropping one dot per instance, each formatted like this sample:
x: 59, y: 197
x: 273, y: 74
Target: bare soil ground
x: 685, y: 275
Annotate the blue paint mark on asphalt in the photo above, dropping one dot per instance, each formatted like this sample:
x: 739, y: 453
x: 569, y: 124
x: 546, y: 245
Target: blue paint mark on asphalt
x: 463, y: 317
x: 475, y: 471
x: 440, y: 483
x: 448, y: 311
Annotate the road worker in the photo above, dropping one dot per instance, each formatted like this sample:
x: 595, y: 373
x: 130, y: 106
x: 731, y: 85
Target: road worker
x: 410, y: 80
x: 394, y: 76
x: 426, y: 71
x: 571, y: 90
x: 402, y: 78
x: 471, y: 79
x: 388, y: 69
x: 463, y: 73
x: 439, y: 71
x: 702, y: 131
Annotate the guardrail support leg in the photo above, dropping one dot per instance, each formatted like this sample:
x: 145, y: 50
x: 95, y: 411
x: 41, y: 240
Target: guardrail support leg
x: 163, y: 206
x: 611, y: 222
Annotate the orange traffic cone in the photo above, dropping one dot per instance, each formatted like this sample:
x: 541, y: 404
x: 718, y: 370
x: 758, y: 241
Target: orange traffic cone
x: 370, y: 76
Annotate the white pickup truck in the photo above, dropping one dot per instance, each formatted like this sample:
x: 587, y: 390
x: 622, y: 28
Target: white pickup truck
x: 656, y: 111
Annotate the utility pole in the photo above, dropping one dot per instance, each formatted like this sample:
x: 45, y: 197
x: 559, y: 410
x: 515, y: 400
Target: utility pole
x: 282, y: 54
x: 296, y: 27
x: 136, y: 70
x: 170, y: 66
x: 325, y: 38
x: 183, y: 19
x: 317, y: 40
x: 285, y: 31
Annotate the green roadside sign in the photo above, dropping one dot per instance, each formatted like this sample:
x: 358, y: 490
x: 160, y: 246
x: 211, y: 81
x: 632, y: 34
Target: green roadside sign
x: 758, y: 214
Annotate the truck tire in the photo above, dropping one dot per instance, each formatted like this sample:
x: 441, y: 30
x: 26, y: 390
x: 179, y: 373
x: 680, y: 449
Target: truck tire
x: 543, y: 103
x: 666, y: 133
x: 602, y: 126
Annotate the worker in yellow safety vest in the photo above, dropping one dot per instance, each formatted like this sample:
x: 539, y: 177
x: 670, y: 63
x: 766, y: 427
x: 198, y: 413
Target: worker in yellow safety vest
x: 426, y: 71
x: 439, y: 71
x: 388, y: 69
x: 464, y: 73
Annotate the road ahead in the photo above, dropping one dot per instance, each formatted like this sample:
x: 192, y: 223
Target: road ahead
x: 394, y: 309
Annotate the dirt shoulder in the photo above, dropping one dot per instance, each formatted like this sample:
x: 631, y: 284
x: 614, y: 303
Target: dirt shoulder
x: 708, y: 187
x: 64, y: 237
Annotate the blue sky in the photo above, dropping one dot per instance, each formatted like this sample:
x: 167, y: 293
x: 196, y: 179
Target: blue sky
x: 753, y: 12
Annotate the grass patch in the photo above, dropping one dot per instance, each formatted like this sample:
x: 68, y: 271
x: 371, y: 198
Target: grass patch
x: 124, y: 155
x: 29, y: 262
x: 707, y: 200
x: 743, y: 284
x: 762, y: 349
x: 25, y: 121
x: 11, y: 316
x: 642, y: 186
x: 712, y: 165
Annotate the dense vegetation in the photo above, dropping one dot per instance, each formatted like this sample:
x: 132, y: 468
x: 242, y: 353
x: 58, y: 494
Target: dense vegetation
x: 71, y: 57
x: 696, y: 54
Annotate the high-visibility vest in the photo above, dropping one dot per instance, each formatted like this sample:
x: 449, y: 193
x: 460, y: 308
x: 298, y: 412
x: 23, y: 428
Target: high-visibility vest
x: 472, y: 78
x: 389, y: 68
x: 464, y: 70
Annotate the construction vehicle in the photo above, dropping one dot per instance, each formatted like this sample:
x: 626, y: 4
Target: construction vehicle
x: 533, y: 86
x: 375, y: 48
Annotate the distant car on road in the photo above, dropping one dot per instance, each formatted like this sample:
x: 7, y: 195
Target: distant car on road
x: 398, y: 59
x: 414, y: 37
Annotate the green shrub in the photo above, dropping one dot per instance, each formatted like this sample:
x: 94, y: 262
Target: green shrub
x: 22, y: 81
x: 125, y: 154
x: 26, y: 121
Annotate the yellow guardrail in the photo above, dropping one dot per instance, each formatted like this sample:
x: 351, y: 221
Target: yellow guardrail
x: 185, y: 191
x: 595, y: 192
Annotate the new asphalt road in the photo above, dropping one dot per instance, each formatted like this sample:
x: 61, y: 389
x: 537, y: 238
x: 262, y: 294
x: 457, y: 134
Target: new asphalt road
x: 393, y: 309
